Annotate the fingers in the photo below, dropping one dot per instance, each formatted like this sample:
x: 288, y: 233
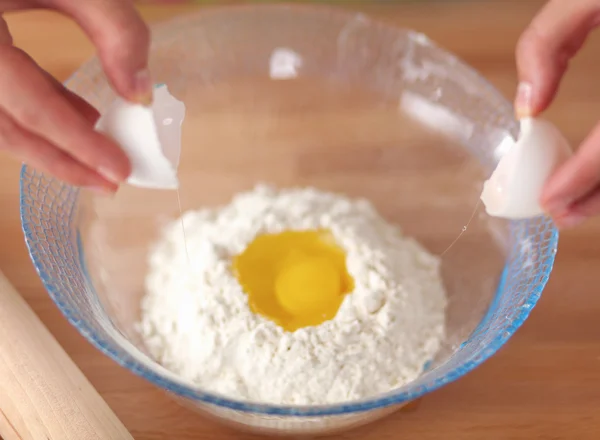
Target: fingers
x: 5, y: 36
x: 42, y: 155
x: 38, y: 106
x: 583, y: 209
x: 545, y: 48
x: 570, y: 193
x: 543, y: 54
x: 122, y: 40
x: 79, y: 104
x: 579, y: 212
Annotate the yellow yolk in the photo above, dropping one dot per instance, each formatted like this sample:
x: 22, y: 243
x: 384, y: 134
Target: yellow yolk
x: 295, y: 278
x: 308, y: 286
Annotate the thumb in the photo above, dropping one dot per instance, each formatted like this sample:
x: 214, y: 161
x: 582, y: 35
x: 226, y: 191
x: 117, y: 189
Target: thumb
x: 546, y: 47
x: 122, y: 40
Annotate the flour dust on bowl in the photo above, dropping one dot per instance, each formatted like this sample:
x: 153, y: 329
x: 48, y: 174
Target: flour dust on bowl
x: 322, y: 152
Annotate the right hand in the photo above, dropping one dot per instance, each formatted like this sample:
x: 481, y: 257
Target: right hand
x: 555, y: 35
x: 50, y: 127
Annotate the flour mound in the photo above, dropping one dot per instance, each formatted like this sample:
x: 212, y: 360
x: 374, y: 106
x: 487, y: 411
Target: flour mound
x: 197, y: 323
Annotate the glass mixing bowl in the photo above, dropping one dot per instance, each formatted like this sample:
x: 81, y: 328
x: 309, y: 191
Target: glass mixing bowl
x: 303, y: 95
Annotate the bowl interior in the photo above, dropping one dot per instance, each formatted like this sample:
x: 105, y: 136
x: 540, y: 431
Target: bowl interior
x: 362, y: 109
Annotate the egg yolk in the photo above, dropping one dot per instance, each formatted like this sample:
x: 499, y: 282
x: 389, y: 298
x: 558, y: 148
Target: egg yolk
x: 295, y: 278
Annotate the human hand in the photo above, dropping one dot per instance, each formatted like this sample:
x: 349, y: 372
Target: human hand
x: 50, y: 127
x: 572, y: 194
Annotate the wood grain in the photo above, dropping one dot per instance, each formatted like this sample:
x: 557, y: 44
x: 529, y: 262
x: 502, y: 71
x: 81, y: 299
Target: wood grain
x: 44, y: 394
x: 545, y: 384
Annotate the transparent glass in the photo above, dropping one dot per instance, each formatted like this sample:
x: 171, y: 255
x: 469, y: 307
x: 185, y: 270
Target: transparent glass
x: 362, y: 108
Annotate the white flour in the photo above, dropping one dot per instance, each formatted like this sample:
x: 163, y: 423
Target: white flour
x: 196, y: 320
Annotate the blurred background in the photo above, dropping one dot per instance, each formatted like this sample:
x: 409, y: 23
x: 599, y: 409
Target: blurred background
x: 542, y: 385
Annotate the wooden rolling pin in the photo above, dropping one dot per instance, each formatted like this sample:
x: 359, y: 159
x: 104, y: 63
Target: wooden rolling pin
x: 43, y: 395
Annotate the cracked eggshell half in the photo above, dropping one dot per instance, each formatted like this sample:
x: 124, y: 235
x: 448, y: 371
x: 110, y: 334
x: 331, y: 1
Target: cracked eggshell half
x: 149, y: 136
x: 514, y: 189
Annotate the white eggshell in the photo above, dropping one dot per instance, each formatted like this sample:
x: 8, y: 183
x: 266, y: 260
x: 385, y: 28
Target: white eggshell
x: 514, y: 189
x: 150, y: 137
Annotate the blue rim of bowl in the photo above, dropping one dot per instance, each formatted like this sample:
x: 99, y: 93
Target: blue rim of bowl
x: 390, y: 399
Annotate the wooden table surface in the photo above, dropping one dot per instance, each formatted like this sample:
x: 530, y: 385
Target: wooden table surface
x: 545, y: 384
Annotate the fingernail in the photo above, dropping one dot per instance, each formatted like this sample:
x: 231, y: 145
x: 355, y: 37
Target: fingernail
x: 110, y: 175
x: 523, y: 100
x: 571, y: 220
x: 143, y: 88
